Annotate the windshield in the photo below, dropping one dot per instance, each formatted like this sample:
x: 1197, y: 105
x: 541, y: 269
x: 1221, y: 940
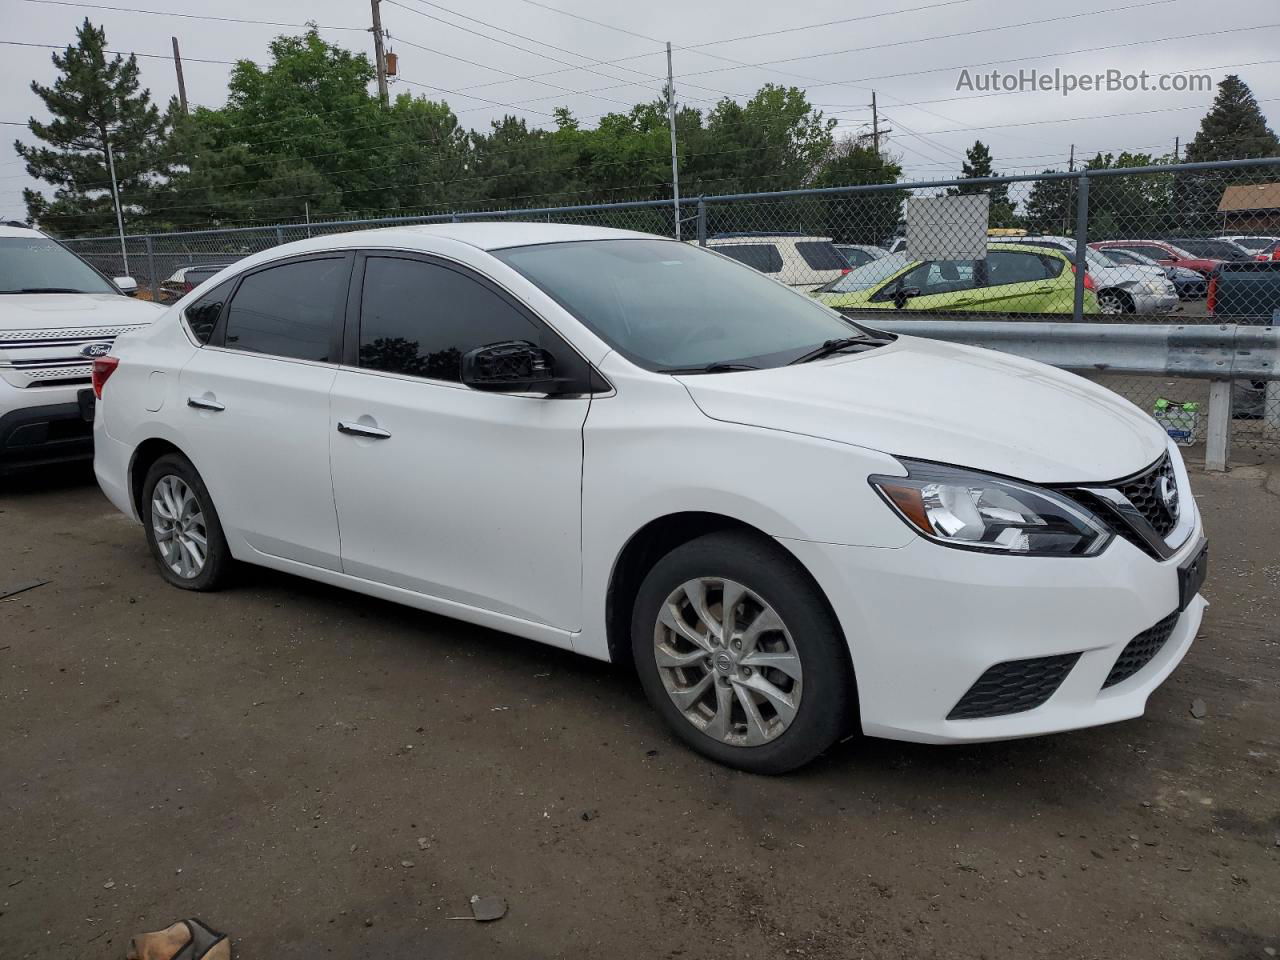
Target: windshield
x: 1255, y: 244
x: 38, y: 265
x: 870, y: 274
x: 1216, y: 249
x: 666, y: 305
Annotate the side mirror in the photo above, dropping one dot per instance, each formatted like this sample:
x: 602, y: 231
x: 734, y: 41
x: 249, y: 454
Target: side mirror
x: 126, y: 285
x: 510, y: 366
x: 903, y: 295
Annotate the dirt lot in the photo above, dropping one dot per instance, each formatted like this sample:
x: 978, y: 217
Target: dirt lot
x: 327, y: 775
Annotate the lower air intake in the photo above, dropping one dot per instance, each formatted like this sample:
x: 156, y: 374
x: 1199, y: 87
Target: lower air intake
x: 1014, y: 686
x: 1139, y: 651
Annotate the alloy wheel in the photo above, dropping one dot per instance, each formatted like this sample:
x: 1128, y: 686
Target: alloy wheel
x: 177, y: 520
x: 728, y: 662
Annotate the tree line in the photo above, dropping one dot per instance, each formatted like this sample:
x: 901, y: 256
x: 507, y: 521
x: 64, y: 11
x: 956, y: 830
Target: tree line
x: 302, y: 137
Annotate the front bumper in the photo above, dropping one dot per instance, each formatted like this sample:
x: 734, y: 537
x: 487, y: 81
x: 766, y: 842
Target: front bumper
x: 41, y: 425
x: 925, y: 622
x: 1155, y: 302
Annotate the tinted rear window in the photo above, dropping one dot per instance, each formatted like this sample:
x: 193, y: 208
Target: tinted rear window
x: 821, y: 255
x: 291, y: 310
x: 763, y: 256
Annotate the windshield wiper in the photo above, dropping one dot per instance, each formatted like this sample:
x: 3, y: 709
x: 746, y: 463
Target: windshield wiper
x: 830, y: 347
x: 716, y: 367
x: 44, y: 290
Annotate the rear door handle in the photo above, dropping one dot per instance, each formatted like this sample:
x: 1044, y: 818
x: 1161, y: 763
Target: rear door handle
x: 204, y: 403
x: 356, y: 429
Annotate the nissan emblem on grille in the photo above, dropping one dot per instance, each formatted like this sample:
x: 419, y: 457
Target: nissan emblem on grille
x: 95, y: 349
x: 1169, y: 494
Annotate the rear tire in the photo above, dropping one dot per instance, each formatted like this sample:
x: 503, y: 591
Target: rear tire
x: 182, y: 526
x: 773, y: 694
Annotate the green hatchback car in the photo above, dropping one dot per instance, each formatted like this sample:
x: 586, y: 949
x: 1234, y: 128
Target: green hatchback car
x: 1013, y: 278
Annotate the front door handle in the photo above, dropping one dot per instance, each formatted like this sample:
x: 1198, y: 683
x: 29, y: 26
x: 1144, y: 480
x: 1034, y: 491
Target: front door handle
x: 357, y: 429
x: 205, y: 403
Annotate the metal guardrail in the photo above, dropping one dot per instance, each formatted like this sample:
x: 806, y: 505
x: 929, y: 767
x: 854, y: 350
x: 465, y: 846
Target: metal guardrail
x: 1221, y: 354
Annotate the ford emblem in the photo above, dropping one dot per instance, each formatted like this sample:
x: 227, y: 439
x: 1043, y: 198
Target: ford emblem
x: 95, y: 349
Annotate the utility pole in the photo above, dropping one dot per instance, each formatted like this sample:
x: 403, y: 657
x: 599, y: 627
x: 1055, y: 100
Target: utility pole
x: 115, y: 194
x: 875, y: 124
x: 182, y: 84
x: 379, y: 56
x: 1071, y: 161
x: 671, y: 121
x: 1177, y: 145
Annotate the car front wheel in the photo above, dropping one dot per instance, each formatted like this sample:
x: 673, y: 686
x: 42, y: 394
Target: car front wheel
x: 738, y: 650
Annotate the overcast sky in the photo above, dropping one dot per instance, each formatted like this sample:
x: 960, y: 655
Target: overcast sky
x: 905, y: 53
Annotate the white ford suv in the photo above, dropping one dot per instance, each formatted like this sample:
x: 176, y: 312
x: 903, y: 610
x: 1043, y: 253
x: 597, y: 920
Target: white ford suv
x: 641, y: 450
x: 56, y: 314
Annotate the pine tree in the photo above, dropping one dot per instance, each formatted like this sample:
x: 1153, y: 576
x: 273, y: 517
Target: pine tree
x: 978, y: 164
x: 1234, y: 128
x: 94, y: 99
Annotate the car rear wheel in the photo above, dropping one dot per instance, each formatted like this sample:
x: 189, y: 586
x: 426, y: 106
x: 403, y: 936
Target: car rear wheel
x: 739, y: 652
x: 182, y: 526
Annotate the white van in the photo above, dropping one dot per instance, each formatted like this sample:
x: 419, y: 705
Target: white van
x: 799, y: 261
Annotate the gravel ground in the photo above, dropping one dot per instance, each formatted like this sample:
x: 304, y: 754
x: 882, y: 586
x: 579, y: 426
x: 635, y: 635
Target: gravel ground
x: 324, y: 774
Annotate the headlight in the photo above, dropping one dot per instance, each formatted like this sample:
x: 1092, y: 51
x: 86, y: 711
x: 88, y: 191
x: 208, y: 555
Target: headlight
x: 974, y: 511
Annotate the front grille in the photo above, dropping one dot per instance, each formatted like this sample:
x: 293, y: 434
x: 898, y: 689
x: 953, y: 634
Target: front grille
x: 1143, y: 491
x: 1013, y: 687
x: 45, y: 335
x: 1139, y: 651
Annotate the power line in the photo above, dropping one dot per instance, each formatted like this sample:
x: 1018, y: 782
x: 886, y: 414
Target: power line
x: 121, y: 53
x: 192, y: 16
x: 608, y: 26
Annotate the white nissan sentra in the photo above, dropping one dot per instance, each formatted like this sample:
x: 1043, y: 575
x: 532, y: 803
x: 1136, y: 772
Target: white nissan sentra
x: 643, y: 451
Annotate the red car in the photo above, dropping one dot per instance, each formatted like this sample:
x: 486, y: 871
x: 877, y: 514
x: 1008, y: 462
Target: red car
x: 1166, y: 254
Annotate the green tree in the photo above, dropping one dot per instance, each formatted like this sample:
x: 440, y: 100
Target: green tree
x: 860, y: 217
x: 1233, y: 129
x: 304, y: 135
x: 977, y: 164
x: 1050, y: 207
x: 94, y: 101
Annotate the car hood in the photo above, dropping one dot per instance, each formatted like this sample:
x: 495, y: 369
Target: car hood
x: 47, y: 311
x: 947, y: 403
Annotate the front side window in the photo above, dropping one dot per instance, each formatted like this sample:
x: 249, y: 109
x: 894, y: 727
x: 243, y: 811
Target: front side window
x: 762, y: 256
x: 38, y: 265
x: 291, y: 310
x: 869, y: 274
x: 941, y: 276
x: 673, y: 306
x: 202, y: 316
x: 419, y: 318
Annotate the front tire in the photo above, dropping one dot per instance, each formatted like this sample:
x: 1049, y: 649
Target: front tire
x: 182, y: 526
x: 1115, y: 302
x: 739, y: 652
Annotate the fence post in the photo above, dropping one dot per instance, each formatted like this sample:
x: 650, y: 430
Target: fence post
x: 279, y: 235
x: 702, y: 222
x: 1217, y: 448
x: 151, y: 268
x: 1082, y: 245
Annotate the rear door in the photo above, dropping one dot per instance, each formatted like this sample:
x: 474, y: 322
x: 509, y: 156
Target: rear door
x: 464, y: 495
x: 256, y: 414
x: 1019, y: 282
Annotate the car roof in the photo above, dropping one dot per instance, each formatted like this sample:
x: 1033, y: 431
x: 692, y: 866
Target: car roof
x: 8, y: 230
x: 737, y: 238
x: 486, y: 234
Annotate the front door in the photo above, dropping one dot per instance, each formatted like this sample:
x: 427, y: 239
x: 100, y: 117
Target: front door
x: 463, y: 495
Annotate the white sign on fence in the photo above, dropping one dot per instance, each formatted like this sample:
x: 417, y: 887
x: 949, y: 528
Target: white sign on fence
x: 948, y: 228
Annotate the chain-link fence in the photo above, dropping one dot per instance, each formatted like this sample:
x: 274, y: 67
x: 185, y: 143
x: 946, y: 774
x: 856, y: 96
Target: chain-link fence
x: 1183, y: 244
